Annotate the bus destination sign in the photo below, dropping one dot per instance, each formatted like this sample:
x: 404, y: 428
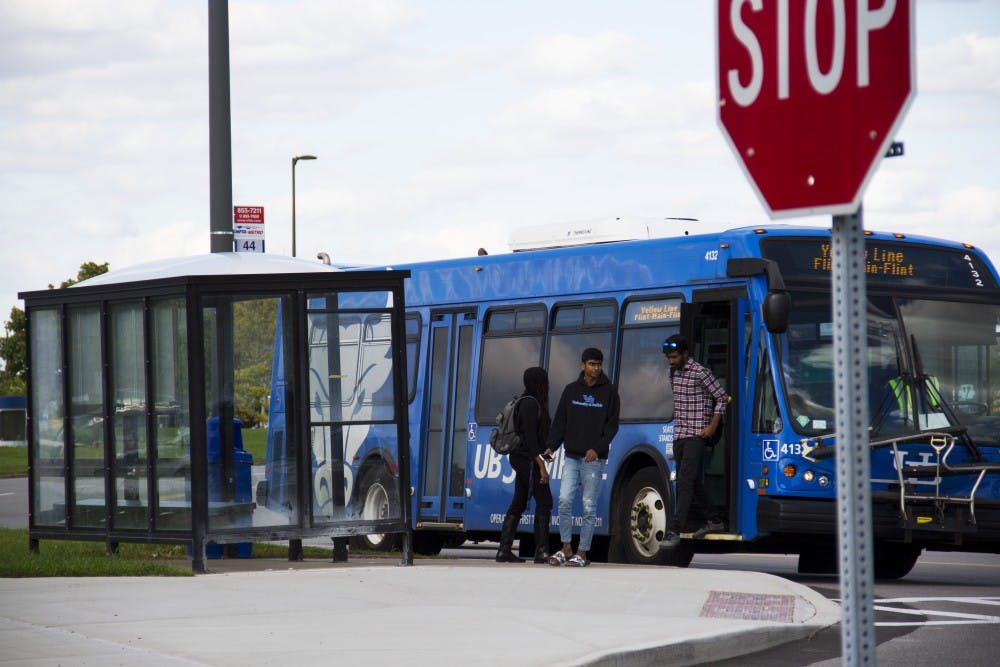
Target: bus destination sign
x: 885, y: 263
x: 653, y: 311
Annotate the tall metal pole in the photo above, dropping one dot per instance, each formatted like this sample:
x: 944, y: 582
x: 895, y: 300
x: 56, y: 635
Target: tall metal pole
x: 294, y: 161
x: 219, y: 129
x: 854, y: 507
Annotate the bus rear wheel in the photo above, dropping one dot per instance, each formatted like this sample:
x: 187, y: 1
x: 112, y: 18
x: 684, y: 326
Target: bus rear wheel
x: 643, y: 508
x: 377, y: 496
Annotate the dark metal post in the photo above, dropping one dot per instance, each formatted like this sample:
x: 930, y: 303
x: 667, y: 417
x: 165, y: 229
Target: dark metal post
x: 399, y: 385
x: 219, y: 129
x: 199, y: 453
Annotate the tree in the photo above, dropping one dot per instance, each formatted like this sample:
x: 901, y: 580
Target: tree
x: 87, y: 270
x: 14, y: 345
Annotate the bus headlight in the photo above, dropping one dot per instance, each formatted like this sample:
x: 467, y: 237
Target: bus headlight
x: 808, y: 475
x: 823, y: 480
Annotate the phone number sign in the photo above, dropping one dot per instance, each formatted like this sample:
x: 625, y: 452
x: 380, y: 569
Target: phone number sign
x: 248, y: 228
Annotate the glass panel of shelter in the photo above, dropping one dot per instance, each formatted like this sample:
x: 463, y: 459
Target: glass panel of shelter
x: 350, y: 400
x: 239, y: 335
x: 48, y: 409
x: 171, y: 413
x: 128, y: 418
x: 86, y: 409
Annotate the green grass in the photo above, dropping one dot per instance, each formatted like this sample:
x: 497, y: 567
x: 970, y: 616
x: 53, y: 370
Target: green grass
x: 255, y: 442
x: 72, y: 558
x: 13, y: 461
x: 66, y: 558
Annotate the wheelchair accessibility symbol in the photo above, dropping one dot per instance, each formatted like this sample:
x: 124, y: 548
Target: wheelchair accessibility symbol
x: 770, y: 450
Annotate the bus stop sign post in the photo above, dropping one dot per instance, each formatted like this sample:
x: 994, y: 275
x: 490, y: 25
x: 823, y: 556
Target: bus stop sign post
x: 811, y: 95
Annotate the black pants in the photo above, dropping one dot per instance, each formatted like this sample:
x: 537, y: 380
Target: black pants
x: 688, y: 456
x: 526, y: 485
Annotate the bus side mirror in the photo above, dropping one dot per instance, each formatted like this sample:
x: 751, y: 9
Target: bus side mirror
x: 777, y: 306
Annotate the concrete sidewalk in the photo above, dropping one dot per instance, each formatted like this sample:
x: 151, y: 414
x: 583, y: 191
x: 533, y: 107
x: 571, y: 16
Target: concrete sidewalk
x: 375, y: 612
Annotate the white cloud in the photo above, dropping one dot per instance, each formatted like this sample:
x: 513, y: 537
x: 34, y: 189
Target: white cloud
x: 567, y: 56
x: 968, y: 64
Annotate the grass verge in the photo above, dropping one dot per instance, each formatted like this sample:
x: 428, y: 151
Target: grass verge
x: 73, y: 558
x: 255, y: 442
x: 13, y: 461
x: 68, y: 558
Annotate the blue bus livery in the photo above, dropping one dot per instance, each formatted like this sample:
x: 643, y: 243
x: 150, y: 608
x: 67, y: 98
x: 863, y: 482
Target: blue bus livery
x: 474, y: 324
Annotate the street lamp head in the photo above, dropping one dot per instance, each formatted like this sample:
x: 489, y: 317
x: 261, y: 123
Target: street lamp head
x: 295, y: 160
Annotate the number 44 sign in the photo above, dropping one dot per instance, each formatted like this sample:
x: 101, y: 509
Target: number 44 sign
x: 248, y: 228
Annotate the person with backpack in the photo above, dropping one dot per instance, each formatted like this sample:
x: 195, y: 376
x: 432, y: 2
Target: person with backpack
x: 699, y: 405
x: 586, y: 421
x: 531, y: 477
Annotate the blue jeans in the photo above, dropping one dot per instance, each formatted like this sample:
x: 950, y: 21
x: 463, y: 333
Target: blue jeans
x: 576, y: 474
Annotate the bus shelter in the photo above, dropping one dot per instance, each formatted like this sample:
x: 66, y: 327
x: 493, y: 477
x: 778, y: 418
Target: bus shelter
x: 146, y: 386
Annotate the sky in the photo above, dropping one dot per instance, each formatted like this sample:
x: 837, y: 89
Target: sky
x: 440, y: 126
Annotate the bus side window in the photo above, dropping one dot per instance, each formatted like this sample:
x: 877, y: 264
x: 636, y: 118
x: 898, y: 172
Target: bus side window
x: 644, y: 373
x: 576, y: 327
x: 512, y: 341
x: 765, y: 404
x: 644, y: 380
x: 412, y: 354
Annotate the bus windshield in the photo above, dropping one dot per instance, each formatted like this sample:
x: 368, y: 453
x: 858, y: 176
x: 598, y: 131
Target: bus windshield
x: 932, y: 364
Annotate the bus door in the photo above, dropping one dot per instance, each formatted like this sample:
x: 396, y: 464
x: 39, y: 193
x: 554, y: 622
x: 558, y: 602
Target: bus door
x: 442, y: 451
x: 710, y: 323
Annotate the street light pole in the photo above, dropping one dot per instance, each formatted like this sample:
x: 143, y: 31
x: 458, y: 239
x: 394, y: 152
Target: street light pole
x: 295, y: 160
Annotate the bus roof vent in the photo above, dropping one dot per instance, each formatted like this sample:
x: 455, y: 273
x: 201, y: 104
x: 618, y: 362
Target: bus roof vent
x: 599, y: 230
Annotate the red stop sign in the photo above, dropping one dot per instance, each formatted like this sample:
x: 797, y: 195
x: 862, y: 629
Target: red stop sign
x: 811, y: 94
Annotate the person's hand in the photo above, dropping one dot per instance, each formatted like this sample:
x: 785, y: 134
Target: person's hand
x: 706, y: 433
x: 590, y: 456
x: 543, y: 475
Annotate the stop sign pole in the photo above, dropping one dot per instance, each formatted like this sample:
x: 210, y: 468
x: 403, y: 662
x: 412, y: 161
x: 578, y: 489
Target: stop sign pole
x: 811, y: 95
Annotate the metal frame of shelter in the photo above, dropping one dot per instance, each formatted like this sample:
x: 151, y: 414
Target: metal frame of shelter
x: 117, y: 490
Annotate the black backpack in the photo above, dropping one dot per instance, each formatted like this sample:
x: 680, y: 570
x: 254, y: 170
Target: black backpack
x: 504, y: 439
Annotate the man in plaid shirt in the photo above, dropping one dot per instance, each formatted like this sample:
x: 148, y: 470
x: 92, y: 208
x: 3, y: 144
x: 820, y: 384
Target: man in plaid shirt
x: 699, y: 404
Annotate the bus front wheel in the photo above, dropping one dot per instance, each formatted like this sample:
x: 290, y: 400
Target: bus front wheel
x: 643, y: 508
x: 894, y: 560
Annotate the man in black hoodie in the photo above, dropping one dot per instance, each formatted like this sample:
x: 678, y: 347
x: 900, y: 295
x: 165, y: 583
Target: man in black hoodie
x: 585, y: 421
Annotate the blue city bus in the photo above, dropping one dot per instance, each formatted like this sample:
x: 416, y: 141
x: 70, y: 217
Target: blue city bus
x: 755, y: 302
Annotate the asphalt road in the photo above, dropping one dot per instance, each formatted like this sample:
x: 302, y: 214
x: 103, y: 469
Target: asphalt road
x: 945, y: 612
x: 14, y: 502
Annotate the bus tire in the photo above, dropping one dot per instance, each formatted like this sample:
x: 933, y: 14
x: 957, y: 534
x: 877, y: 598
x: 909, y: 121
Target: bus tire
x: 894, y: 560
x: 376, y: 497
x: 820, y: 558
x: 427, y: 544
x: 643, y: 507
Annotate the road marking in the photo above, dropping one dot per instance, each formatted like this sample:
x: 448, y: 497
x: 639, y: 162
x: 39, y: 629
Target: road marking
x: 7, y: 494
x: 957, y: 618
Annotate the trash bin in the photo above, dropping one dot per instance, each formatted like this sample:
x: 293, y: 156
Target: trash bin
x: 238, y: 510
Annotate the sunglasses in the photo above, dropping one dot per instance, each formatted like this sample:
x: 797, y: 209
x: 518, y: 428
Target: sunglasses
x: 669, y: 345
